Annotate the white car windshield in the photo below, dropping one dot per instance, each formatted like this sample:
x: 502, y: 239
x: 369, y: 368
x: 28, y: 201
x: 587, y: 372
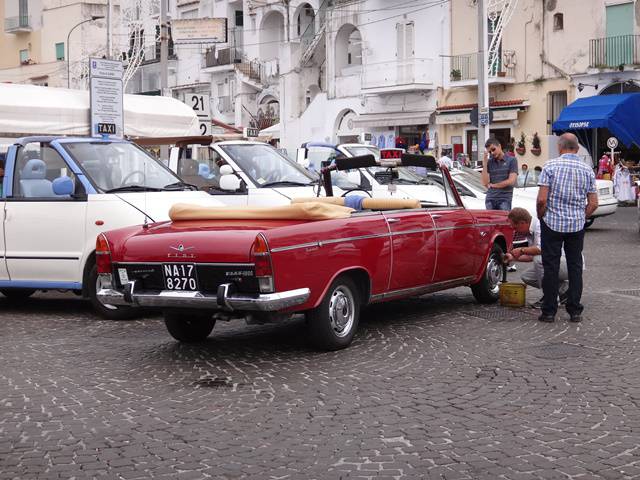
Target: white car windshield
x: 360, y: 150
x: 527, y: 179
x: 266, y: 166
x: 317, y: 154
x: 404, y: 175
x: 469, y: 177
x: 121, y: 167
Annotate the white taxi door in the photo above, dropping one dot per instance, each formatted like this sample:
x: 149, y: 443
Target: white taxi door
x: 44, y: 232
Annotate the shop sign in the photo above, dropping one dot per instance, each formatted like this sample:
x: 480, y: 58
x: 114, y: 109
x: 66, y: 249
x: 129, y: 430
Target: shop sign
x: 196, y: 30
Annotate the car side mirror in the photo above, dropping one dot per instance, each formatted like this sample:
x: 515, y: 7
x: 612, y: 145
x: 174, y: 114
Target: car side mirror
x: 229, y: 182
x: 63, y: 186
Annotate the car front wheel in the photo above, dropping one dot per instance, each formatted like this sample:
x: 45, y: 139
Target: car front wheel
x: 487, y: 290
x: 333, y: 323
x: 189, y: 327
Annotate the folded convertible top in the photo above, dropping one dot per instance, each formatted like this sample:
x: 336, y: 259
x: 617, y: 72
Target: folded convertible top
x: 297, y: 211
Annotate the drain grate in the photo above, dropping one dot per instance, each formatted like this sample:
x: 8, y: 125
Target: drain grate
x: 628, y: 293
x: 556, y: 351
x: 504, y: 314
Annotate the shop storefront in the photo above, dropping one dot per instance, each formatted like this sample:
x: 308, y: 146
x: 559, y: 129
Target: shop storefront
x: 389, y: 130
x: 594, y: 120
x: 455, y: 121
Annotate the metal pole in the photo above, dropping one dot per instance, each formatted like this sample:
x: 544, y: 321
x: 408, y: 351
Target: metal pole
x: 95, y: 17
x: 109, y: 33
x: 164, y: 48
x: 483, y: 73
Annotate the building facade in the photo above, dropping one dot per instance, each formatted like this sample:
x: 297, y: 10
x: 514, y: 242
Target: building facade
x: 33, y: 42
x: 551, y: 53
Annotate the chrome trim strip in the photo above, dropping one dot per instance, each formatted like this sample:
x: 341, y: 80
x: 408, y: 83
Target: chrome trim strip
x: 433, y: 287
x: 265, y: 302
x: 420, y: 230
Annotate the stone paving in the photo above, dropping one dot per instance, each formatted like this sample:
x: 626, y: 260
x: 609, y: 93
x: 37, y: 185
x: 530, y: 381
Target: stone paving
x: 436, y: 388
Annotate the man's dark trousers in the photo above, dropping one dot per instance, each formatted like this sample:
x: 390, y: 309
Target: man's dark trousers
x: 552, y: 242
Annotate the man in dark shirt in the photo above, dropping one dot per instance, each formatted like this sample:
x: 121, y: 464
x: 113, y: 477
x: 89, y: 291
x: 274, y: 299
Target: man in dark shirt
x: 499, y: 174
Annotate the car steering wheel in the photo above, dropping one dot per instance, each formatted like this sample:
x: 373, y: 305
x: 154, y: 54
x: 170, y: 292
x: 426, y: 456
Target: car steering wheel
x: 357, y: 190
x: 131, y: 174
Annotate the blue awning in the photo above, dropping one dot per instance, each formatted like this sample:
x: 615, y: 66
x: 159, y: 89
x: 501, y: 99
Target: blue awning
x: 620, y: 114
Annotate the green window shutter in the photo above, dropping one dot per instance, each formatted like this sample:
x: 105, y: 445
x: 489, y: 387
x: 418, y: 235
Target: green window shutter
x: 59, y: 51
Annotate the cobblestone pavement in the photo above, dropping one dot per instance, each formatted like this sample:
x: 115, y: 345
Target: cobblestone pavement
x: 436, y: 387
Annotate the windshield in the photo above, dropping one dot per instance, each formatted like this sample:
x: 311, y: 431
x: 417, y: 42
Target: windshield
x: 406, y: 176
x: 264, y: 165
x: 363, y: 150
x: 527, y: 179
x: 117, y: 165
x: 470, y: 177
x: 316, y: 155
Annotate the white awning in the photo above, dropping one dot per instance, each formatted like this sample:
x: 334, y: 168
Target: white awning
x: 273, y: 131
x: 35, y: 110
x: 391, y: 119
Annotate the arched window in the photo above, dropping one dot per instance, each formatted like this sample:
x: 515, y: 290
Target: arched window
x: 348, y: 48
x: 271, y: 35
x: 558, y: 22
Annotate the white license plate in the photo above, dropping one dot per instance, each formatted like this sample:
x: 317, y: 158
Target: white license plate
x: 180, y: 276
x: 603, y: 191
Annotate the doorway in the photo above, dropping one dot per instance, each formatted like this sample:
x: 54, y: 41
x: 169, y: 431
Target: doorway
x: 475, y: 151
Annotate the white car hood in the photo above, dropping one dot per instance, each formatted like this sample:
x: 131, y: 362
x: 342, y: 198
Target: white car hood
x: 157, y: 204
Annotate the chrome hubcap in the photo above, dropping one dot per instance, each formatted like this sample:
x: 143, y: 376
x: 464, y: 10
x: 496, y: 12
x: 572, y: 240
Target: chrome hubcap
x: 494, y: 272
x: 341, y: 311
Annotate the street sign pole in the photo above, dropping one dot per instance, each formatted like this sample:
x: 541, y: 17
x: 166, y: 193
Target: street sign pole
x: 483, y: 80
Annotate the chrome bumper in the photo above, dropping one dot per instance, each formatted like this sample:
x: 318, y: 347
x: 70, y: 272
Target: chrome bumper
x: 225, y: 299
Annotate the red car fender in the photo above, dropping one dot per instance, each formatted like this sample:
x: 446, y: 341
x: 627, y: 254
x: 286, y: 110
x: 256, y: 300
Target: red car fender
x: 355, y: 268
x: 499, y: 237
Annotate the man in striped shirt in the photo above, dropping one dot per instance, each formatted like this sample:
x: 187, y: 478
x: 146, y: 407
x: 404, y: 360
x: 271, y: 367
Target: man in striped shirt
x: 567, y: 197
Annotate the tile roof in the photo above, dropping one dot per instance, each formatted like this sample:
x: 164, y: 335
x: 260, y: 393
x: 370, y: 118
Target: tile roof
x: 496, y: 104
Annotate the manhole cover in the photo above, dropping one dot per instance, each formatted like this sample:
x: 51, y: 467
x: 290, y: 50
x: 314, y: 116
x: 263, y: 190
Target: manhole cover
x: 629, y: 293
x: 505, y: 314
x: 554, y: 351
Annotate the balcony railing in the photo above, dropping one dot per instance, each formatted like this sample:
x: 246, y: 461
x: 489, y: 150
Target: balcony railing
x: 465, y: 67
x: 21, y: 23
x: 398, y: 73
x: 612, y: 52
x: 222, y: 56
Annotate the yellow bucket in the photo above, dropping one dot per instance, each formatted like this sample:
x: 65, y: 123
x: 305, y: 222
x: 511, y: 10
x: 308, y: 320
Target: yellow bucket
x: 512, y: 294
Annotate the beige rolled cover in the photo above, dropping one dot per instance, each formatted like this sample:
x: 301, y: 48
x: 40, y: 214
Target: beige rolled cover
x: 299, y: 211
x: 367, y: 203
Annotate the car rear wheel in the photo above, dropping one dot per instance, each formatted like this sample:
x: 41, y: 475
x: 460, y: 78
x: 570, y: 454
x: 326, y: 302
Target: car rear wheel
x: 487, y: 290
x: 16, y: 294
x: 189, y: 327
x: 333, y: 323
x: 108, y: 312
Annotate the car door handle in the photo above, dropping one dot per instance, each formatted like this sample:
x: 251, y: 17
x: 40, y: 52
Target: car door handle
x: 393, y: 220
x: 435, y: 216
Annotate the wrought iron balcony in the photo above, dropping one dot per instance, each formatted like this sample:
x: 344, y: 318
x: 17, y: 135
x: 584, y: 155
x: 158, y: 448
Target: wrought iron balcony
x: 614, y: 52
x: 399, y: 75
x: 464, y: 68
x: 19, y: 24
x: 223, y: 56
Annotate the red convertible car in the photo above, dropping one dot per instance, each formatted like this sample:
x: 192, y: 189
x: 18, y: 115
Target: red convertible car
x: 325, y: 261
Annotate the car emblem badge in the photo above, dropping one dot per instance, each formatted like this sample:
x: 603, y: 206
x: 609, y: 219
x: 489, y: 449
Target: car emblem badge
x: 181, y: 249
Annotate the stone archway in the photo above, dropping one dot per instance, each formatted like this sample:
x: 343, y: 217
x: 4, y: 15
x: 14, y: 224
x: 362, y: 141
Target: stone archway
x: 271, y: 35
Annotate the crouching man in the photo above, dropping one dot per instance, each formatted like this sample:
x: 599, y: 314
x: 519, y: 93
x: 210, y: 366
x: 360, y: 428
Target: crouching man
x: 523, y: 223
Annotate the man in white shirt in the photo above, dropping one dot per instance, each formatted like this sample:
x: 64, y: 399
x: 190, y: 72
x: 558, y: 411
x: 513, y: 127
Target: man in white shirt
x: 445, y: 160
x: 522, y: 222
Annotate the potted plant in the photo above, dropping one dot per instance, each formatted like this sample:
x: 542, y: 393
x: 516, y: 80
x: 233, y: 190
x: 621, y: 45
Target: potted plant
x: 511, y: 146
x: 535, y: 144
x: 456, y: 75
x: 502, y: 73
x: 521, y: 144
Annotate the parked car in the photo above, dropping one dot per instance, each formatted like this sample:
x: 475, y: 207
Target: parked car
x: 375, y: 180
x: 607, y: 202
x: 199, y: 269
x: 242, y: 172
x: 59, y: 193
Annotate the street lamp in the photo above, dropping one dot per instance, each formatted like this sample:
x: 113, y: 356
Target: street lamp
x: 93, y: 18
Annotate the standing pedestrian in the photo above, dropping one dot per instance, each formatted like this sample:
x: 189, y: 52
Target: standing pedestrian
x: 567, y: 184
x: 445, y: 159
x: 499, y: 174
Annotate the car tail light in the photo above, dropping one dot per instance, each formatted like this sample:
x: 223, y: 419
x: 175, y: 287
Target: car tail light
x: 103, y: 254
x: 262, y: 261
